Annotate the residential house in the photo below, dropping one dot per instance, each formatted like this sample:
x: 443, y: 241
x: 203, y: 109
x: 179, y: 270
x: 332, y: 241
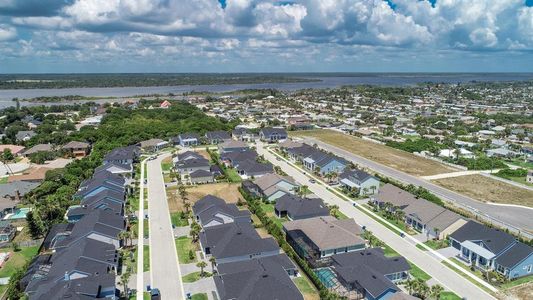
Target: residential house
x: 232, y: 146
x: 273, y: 186
x: 12, y: 193
x: 243, y: 134
x: 76, y: 149
x: 216, y: 137
x: 153, y: 145
x: 231, y: 159
x: 324, y: 163
x: 359, y: 181
x: 24, y: 135
x: 165, y: 104
x: 259, y: 278
x: 213, y: 211
x: 369, y: 273
x: 7, y: 232
x: 253, y: 169
x: 502, y: 152
x: 16, y: 150
x: 235, y: 241
x: 188, y: 139
x: 38, y: 148
x: 272, y: 135
x: 295, y: 208
x: 100, y: 225
x: 116, y: 168
x: 316, y: 239
x: 188, y: 166
x: 516, y: 262
x: 30, y: 175
x: 433, y: 220
x: 188, y: 155
x: 124, y: 155
x: 484, y: 247
x: 201, y: 176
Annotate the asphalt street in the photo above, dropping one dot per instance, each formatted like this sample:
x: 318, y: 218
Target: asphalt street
x: 517, y: 217
x: 164, y: 267
x: 430, y: 264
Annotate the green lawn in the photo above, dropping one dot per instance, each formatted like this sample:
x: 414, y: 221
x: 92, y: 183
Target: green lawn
x: 146, y: 258
x: 436, y: 244
x: 183, y: 245
x: 177, y: 220
x: 268, y: 208
x: 166, y: 166
x: 134, y: 202
x: 146, y: 228
x: 388, y: 251
x: 195, y: 276
x: 521, y: 163
x: 516, y: 282
x: 340, y: 215
x: 3, y: 180
x: 17, y: 260
x: 449, y: 296
x: 416, y: 272
x: 232, y: 175
x: 304, y: 285
x: 201, y: 296
x: 462, y: 271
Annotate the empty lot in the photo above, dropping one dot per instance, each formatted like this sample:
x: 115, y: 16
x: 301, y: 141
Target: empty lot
x: 487, y: 190
x: 394, y: 158
x: 224, y: 190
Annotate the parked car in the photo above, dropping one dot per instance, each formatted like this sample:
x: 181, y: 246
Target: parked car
x: 312, y: 180
x: 155, y: 294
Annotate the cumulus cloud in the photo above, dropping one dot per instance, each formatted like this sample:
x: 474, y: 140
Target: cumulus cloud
x: 331, y: 29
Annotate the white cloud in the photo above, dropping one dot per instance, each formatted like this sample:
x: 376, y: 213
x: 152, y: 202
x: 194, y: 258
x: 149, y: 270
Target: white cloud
x: 7, y: 33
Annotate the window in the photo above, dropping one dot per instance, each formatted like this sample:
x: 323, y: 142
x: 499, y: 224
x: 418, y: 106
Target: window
x: 528, y: 268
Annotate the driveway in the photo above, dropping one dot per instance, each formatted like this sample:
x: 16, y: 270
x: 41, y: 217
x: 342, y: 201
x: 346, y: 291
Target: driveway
x: 164, y: 267
x: 448, y: 252
x: 404, y: 246
x: 204, y: 285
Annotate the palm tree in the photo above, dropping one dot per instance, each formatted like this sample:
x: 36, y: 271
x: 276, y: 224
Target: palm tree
x: 213, y: 262
x: 182, y: 191
x: 187, y: 206
x: 436, y: 230
x: 434, y: 291
x: 124, y: 278
x: 303, y: 191
x: 195, y: 231
x: 334, y: 210
x: 202, y: 264
x: 421, y: 288
x: 410, y: 286
x: 123, y: 236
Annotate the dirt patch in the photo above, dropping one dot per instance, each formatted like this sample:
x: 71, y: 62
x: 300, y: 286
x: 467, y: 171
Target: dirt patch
x: 523, y: 291
x: 226, y: 191
x: 486, y: 189
x: 394, y: 158
x: 204, y: 154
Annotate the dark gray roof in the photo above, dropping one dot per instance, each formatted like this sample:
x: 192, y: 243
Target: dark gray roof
x: 189, y: 155
x: 239, y: 156
x: 106, y: 167
x: 23, y: 187
x: 299, y: 208
x: 99, y: 221
x: 200, y: 174
x: 515, y: 255
x: 210, y: 212
x: 76, y: 289
x: 189, y: 135
x: 122, y: 153
x: 494, y: 239
x: 356, y: 174
x: 219, y: 135
x: 261, y: 279
x: 281, y: 259
x: 252, y: 167
x: 368, y: 268
x: 235, y: 239
x: 206, y: 202
x: 192, y: 163
x: 267, y: 131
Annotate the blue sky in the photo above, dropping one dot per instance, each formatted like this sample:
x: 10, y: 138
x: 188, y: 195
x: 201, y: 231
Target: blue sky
x: 266, y: 36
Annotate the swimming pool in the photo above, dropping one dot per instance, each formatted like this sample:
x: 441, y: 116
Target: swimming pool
x: 327, y: 276
x: 20, y: 213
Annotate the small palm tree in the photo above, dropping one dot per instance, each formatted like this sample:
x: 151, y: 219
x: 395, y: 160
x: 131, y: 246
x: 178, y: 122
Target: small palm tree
x: 213, y: 262
x: 187, y: 206
x: 202, y: 264
x: 435, y: 291
x: 410, y: 286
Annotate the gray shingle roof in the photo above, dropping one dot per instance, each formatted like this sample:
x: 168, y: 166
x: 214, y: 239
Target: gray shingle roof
x: 516, y: 254
x: 495, y: 239
x: 299, y: 208
x: 261, y: 279
x: 235, y: 239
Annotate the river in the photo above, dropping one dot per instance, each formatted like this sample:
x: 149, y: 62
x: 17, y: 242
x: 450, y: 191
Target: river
x: 386, y: 79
